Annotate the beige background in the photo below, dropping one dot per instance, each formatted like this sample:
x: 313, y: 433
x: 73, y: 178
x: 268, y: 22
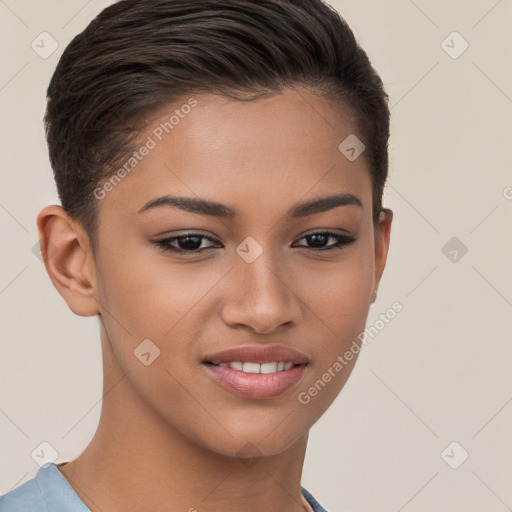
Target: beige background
x: 439, y: 372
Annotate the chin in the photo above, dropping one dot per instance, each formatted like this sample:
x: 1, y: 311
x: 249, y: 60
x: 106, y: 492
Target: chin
x: 253, y: 444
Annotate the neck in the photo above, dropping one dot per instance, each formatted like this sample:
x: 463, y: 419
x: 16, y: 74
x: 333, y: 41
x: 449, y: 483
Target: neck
x: 137, y: 461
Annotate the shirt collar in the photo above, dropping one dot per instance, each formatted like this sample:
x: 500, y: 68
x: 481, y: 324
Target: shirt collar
x: 56, y: 490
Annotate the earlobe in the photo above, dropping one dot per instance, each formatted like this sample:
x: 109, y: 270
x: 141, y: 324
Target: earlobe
x: 68, y: 259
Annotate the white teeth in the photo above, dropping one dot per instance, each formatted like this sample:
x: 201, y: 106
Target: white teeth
x: 250, y: 367
x: 268, y: 367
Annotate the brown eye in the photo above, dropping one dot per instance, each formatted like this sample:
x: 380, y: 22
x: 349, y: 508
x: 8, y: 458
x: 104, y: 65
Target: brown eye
x: 188, y: 243
x: 319, y: 240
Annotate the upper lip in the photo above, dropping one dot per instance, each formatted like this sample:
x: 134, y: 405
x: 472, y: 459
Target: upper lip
x: 257, y: 354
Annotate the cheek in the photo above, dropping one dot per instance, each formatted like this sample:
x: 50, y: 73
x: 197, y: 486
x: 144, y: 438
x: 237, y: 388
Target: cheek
x: 338, y: 293
x: 150, y: 296
x: 339, y: 302
x: 338, y: 299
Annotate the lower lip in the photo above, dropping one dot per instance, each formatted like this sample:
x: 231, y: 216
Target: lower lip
x: 256, y: 385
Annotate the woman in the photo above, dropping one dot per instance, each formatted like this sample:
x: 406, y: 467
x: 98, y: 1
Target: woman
x: 221, y: 165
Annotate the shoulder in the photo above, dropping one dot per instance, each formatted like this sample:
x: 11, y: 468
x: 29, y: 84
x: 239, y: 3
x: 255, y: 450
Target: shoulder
x: 312, y: 501
x: 24, y: 498
x: 47, y: 491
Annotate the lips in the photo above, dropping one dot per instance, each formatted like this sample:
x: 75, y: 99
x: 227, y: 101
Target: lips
x: 257, y: 372
x: 257, y: 354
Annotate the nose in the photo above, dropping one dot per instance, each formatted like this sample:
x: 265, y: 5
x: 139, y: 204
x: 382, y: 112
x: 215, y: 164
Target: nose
x: 261, y: 296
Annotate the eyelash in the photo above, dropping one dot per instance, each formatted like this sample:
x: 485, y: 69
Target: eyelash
x: 342, y: 241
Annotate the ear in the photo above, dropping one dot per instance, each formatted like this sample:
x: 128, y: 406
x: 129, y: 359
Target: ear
x: 68, y: 258
x: 382, y: 237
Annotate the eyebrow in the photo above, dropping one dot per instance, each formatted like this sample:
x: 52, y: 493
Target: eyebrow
x: 213, y: 208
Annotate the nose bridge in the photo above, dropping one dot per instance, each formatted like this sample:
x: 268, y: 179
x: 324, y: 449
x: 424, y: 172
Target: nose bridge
x: 260, y: 276
x: 259, y: 295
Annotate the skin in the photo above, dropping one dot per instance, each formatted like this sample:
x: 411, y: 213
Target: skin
x: 169, y: 437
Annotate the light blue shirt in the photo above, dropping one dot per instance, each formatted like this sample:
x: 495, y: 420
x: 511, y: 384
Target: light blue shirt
x: 49, y: 491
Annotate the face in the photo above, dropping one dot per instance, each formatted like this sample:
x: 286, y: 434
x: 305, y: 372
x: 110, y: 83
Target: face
x: 219, y: 291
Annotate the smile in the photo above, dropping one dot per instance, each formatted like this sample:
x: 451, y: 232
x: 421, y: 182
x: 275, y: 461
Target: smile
x: 257, y: 372
x: 250, y: 367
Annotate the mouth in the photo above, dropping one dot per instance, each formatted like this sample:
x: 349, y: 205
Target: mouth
x: 253, y: 367
x: 257, y: 372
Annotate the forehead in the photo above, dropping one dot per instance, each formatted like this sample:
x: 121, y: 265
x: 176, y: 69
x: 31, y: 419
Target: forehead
x: 259, y: 154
